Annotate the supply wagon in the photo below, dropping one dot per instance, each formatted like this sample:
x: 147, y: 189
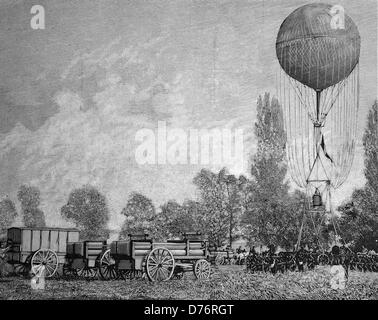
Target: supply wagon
x: 160, y: 261
x: 82, y: 258
x: 32, y: 248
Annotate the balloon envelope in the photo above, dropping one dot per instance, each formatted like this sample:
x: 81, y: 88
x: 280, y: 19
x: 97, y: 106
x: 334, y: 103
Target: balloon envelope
x: 318, y: 46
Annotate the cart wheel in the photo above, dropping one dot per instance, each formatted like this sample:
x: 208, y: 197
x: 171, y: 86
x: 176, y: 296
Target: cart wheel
x: 218, y: 259
x: 87, y: 273
x: 126, y: 274
x: 46, y: 258
x: 107, y: 266
x: 21, y: 269
x: 130, y: 274
x: 160, y: 264
x: 68, y: 272
x: 202, y: 269
x: 323, y: 259
x: 178, y: 273
x: 123, y: 274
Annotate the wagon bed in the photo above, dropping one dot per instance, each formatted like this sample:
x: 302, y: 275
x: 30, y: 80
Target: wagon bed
x: 158, y: 260
x: 32, y: 248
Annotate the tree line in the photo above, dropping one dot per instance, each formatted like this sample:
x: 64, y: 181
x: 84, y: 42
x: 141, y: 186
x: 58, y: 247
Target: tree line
x: 32, y: 215
x: 259, y: 208
x: 359, y: 220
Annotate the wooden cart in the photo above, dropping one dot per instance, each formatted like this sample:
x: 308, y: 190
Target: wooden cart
x: 32, y: 248
x: 82, y: 258
x: 125, y: 258
x: 160, y: 261
x: 222, y: 256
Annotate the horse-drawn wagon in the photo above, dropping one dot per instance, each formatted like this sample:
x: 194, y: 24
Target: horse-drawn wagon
x: 125, y: 258
x: 159, y: 260
x: 82, y: 258
x: 31, y: 248
x: 222, y: 256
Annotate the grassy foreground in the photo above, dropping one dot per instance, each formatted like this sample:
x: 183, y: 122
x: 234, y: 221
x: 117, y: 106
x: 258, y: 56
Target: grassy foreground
x: 225, y: 283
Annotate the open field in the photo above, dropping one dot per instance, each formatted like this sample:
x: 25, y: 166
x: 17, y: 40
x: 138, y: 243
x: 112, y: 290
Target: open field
x: 226, y: 283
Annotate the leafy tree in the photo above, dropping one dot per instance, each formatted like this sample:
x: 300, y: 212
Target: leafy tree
x: 172, y: 220
x: 88, y: 209
x: 179, y: 219
x: 195, y: 216
x: 176, y: 220
x: 278, y: 223
x: 7, y: 214
x: 272, y: 214
x: 234, y: 195
x: 370, y: 142
x: 211, y: 195
x: 269, y: 167
x: 359, y: 220
x: 141, y: 217
x: 29, y: 196
x: 222, y: 203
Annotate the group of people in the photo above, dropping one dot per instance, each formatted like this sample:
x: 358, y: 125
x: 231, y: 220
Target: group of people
x: 272, y: 260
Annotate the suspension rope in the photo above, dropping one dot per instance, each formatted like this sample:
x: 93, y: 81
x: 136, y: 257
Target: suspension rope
x: 338, y: 114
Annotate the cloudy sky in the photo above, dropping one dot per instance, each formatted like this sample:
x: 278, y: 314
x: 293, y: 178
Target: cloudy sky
x: 73, y: 96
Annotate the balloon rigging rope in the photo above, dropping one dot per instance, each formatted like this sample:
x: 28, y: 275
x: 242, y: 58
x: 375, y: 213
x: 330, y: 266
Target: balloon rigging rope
x: 303, y: 129
x: 299, y: 140
x: 338, y: 114
x: 317, y: 68
x: 353, y: 116
x: 295, y: 149
x: 342, y: 123
x: 348, y: 127
x: 296, y: 86
x: 293, y: 169
x: 348, y: 130
x: 328, y: 108
x: 288, y: 127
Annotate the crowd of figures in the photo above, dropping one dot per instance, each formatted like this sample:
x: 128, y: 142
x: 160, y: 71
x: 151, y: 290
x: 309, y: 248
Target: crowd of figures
x: 270, y: 261
x: 273, y: 261
x: 229, y: 257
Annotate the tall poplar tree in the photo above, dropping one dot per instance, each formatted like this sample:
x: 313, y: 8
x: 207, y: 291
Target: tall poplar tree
x: 268, y: 203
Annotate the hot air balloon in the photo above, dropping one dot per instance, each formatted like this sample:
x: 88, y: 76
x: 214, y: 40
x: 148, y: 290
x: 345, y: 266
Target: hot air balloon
x: 318, y: 49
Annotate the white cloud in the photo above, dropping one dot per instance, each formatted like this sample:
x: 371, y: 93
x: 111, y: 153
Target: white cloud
x: 95, y: 144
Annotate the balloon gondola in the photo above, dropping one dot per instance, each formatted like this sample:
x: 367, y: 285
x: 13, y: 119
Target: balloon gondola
x: 317, y: 199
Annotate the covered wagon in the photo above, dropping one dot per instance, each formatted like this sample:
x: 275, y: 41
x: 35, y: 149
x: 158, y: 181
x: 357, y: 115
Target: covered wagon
x: 32, y: 248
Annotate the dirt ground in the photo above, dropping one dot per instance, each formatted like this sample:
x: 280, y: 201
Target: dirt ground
x: 230, y: 282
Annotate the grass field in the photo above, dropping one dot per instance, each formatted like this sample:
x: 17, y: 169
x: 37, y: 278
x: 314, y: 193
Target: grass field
x: 230, y: 282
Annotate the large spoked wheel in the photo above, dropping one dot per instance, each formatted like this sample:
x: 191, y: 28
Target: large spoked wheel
x: 68, y: 272
x: 87, y: 273
x: 107, y: 266
x: 311, y: 263
x: 160, y: 264
x: 218, y: 259
x: 202, y: 269
x: 291, y: 265
x: 125, y: 274
x: 323, y: 259
x: 129, y: 274
x: 44, y: 258
x: 21, y: 269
